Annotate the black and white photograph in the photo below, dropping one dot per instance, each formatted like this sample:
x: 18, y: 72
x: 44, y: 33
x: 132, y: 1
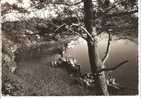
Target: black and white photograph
x: 69, y: 48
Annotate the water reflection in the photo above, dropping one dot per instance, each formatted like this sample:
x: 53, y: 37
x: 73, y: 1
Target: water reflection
x: 78, y: 49
x: 120, y: 50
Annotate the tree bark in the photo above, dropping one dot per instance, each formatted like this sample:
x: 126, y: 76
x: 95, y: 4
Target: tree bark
x: 95, y: 61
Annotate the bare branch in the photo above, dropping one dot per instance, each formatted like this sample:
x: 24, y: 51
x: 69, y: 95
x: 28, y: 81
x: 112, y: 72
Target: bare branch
x: 107, y: 49
x: 80, y: 34
x: 85, y: 30
x: 67, y: 4
x: 60, y: 27
x: 121, y: 13
x: 112, y: 68
x: 61, y: 3
x: 78, y: 2
x: 113, y: 5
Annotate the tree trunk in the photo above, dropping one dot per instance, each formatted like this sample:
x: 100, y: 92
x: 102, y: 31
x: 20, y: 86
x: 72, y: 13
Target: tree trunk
x: 95, y: 61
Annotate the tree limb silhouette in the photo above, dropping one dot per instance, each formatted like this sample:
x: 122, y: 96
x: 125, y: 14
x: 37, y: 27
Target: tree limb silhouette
x: 107, y: 49
x: 112, y: 68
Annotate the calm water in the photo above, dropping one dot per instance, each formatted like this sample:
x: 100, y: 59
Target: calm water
x: 34, y: 63
x: 120, y: 50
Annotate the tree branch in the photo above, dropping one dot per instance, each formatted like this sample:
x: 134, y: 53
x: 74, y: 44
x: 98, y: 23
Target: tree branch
x: 107, y: 49
x: 78, y: 2
x: 113, y: 5
x: 80, y: 34
x: 67, y: 4
x: 61, y: 26
x: 112, y: 68
x: 121, y: 13
x: 85, y: 30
